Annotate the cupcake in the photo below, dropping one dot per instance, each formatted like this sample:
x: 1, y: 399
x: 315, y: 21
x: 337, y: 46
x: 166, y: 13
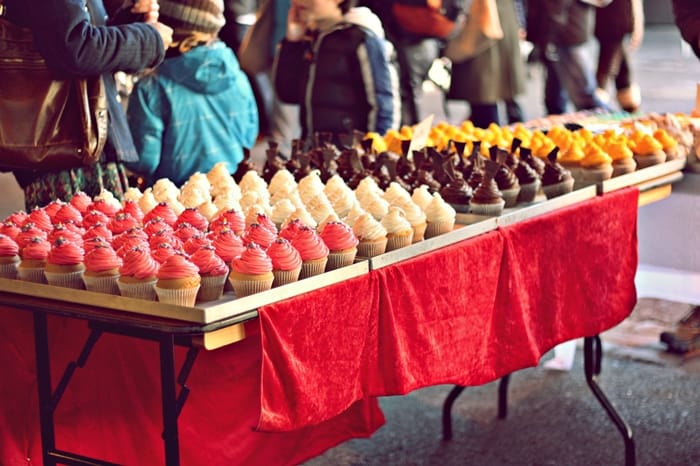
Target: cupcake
x: 162, y: 251
x: 399, y: 232
x: 529, y: 181
x: 228, y: 245
x: 192, y: 217
x: 163, y: 211
x: 40, y: 219
x: 34, y: 253
x: 178, y: 281
x: 313, y: 252
x: 487, y: 198
x: 137, y: 275
x: 213, y: 272
x: 64, y: 265
x: 416, y: 217
x: 669, y: 145
x: 647, y: 151
x: 10, y: 229
x: 184, y: 231
x: 102, y: 270
x: 257, y: 233
x: 231, y: 219
x: 342, y: 244
x: 81, y: 201
x: 195, y: 242
x: 508, y: 185
x: 440, y: 217
x: 556, y: 180
x: 132, y: 208
x: 622, y: 157
x: 251, y: 272
x: 121, y: 223
x: 9, y: 257
x: 457, y: 193
x: 596, y: 165
x: 371, y: 235
x: 286, y: 262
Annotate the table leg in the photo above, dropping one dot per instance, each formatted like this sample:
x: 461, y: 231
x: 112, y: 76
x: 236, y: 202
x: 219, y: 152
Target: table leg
x: 592, y: 356
x: 169, y: 400
x: 43, y: 375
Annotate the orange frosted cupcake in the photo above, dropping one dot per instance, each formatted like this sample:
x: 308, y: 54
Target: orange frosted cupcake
x: 342, y: 244
x: 621, y: 155
x: 102, y: 270
x: 313, y: 252
x: 34, y: 254
x: 178, y: 281
x: 213, y: 272
x: 647, y: 151
x: 9, y: 257
x: 251, y: 272
x: 137, y: 275
x: 64, y: 265
x: 286, y: 262
x: 596, y: 165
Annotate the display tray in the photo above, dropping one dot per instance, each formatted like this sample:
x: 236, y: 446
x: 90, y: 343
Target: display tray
x: 645, y: 178
x: 202, y: 313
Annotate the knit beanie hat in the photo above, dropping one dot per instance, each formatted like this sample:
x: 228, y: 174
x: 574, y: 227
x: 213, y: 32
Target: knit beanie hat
x: 187, y: 16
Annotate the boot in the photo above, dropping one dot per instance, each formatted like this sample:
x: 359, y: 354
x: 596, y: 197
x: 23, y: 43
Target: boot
x: 686, y: 337
x: 629, y: 98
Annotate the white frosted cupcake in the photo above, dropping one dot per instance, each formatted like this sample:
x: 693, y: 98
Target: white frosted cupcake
x: 416, y: 217
x: 440, y: 217
x: 396, y: 194
x: 421, y: 196
x: 371, y: 234
x: 399, y: 232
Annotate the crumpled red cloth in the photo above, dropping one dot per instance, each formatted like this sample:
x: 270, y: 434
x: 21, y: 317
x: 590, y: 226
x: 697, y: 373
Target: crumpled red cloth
x: 112, y: 408
x: 465, y: 314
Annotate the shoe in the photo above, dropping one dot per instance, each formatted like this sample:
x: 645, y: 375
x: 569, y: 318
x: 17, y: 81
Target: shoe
x: 686, y: 337
x: 629, y: 98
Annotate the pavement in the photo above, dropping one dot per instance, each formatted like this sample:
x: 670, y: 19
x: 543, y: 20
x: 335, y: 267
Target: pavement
x: 553, y: 418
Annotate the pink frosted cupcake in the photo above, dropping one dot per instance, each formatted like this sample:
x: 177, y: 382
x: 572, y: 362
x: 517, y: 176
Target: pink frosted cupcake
x: 195, y: 242
x: 28, y: 232
x: 64, y: 264
x: 313, y: 251
x: 228, y: 245
x: 257, y: 233
x: 178, y: 281
x: 122, y: 222
x: 68, y: 214
x: 81, y: 202
x: 185, y: 231
x: 10, y: 229
x: 213, y: 272
x: 231, y: 219
x: 132, y: 208
x: 95, y: 242
x: 19, y: 217
x: 130, y: 239
x: 262, y: 219
x: 193, y: 217
x: 98, y: 230
x: 290, y: 230
x: 102, y: 270
x: 62, y: 230
x: 251, y: 272
x: 94, y: 217
x: 40, y: 219
x: 342, y: 244
x: 163, y: 211
x: 162, y: 251
x: 137, y: 275
x: 9, y: 257
x: 286, y: 262
x: 155, y: 225
x: 107, y: 208
x: 34, y: 254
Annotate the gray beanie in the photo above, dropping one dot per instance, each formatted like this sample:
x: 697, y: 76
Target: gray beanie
x: 187, y: 16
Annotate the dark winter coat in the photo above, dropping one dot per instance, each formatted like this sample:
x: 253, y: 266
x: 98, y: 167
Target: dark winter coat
x: 560, y: 22
x: 687, y: 17
x: 615, y: 21
x: 496, y: 74
x: 342, y: 80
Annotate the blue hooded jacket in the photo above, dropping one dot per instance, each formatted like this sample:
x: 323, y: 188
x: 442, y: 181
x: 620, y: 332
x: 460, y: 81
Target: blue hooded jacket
x: 194, y: 111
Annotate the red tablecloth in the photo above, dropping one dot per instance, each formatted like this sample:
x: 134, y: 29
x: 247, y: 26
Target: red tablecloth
x: 467, y: 314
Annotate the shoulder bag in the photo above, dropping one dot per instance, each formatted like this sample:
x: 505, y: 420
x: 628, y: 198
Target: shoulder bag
x: 480, y: 29
x: 46, y: 122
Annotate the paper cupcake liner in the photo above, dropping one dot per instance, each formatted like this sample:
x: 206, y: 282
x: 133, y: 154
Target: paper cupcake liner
x: 433, y: 229
x: 528, y: 192
x: 644, y: 161
x: 371, y: 248
x: 510, y: 196
x: 492, y: 210
x: 9, y: 270
x: 66, y: 279
x: 597, y: 174
x: 31, y: 274
x: 623, y: 166
x: 211, y: 288
x: 107, y: 285
x: 313, y: 267
x: 419, y: 232
x: 244, y: 287
x: 140, y: 290
x: 178, y: 296
x: 557, y: 189
x: 394, y: 242
x: 461, y: 208
x: 283, y: 277
x: 340, y: 259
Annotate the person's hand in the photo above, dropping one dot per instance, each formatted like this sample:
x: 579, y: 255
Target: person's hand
x: 148, y: 8
x: 295, y: 25
x: 166, y: 33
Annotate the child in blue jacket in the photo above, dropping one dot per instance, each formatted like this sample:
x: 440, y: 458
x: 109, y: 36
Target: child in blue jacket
x: 197, y: 108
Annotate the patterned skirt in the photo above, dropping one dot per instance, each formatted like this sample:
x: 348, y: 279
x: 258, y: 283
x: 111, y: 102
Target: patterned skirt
x: 62, y: 185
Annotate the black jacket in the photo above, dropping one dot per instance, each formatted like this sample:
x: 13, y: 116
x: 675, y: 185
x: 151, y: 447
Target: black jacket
x: 687, y: 16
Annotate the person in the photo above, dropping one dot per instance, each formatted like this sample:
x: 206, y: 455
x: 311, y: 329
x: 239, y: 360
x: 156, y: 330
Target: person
x: 613, y: 22
x: 560, y: 31
x: 686, y: 14
x: 197, y: 108
x: 336, y: 70
x: 239, y: 16
x: 494, y: 75
x: 78, y: 41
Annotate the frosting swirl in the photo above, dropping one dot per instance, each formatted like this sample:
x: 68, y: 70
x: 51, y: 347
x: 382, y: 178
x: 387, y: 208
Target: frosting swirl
x: 208, y: 262
x: 338, y: 236
x: 283, y: 255
x: 439, y: 211
x: 395, y: 221
x: 102, y: 258
x: 193, y: 217
x: 177, y: 266
x: 138, y: 263
x: 64, y: 252
x: 8, y: 246
x: 256, y: 233
x: 367, y: 228
x: 36, y: 249
x: 164, y: 211
x: 253, y: 261
x: 81, y: 201
x: 228, y: 245
x: 309, y: 244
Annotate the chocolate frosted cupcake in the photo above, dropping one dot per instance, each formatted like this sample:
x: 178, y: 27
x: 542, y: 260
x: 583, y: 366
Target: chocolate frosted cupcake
x: 529, y: 182
x: 506, y: 180
x: 487, y: 198
x: 556, y: 180
x: 456, y: 192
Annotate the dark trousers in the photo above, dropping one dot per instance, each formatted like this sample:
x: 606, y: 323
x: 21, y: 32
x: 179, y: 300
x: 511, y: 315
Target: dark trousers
x: 613, y: 63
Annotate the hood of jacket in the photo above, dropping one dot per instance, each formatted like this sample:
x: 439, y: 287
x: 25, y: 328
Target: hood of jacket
x: 363, y: 16
x: 207, y: 69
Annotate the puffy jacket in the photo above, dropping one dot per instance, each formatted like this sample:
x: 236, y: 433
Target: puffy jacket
x: 342, y: 79
x: 195, y: 110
